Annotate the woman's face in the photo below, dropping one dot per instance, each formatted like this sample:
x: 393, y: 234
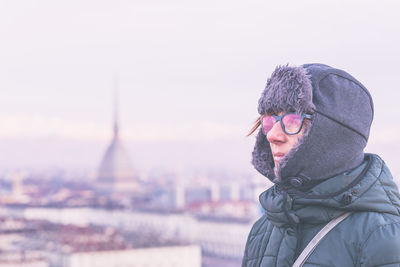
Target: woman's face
x: 280, y: 142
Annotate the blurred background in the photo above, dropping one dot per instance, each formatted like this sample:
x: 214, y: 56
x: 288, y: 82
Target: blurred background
x: 123, y: 123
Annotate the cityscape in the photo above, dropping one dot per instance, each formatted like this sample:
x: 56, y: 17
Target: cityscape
x: 118, y: 218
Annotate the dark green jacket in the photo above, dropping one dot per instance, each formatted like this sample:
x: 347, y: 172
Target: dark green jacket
x: 368, y: 237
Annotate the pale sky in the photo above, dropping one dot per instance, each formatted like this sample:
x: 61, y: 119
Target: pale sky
x: 190, y: 71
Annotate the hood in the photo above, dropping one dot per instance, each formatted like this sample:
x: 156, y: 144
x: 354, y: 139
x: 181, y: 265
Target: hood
x: 342, y: 111
x: 369, y: 187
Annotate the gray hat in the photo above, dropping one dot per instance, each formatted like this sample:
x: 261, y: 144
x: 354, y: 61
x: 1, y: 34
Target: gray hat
x: 342, y: 111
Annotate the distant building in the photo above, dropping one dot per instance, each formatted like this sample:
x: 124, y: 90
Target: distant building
x: 115, y: 172
x: 17, y: 195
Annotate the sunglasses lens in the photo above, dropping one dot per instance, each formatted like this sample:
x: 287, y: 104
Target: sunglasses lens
x: 292, y: 123
x: 267, y: 123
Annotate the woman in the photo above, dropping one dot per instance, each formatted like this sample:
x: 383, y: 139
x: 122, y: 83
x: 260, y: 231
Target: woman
x: 315, y: 123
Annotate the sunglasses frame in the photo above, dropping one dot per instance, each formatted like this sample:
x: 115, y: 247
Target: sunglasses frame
x: 280, y: 118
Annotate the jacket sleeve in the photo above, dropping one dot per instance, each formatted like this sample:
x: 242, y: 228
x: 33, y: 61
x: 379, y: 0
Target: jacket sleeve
x: 249, y: 244
x: 381, y: 247
x: 246, y: 250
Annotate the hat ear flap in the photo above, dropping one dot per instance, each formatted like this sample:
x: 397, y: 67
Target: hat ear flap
x: 262, y: 156
x: 282, y: 163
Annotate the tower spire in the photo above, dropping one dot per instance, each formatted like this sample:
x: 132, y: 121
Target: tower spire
x: 115, y: 171
x: 116, y: 87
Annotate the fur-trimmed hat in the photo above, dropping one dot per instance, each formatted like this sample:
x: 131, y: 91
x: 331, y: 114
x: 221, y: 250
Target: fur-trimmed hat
x: 339, y: 131
x: 288, y: 89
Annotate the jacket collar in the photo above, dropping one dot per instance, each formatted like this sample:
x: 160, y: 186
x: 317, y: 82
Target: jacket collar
x: 369, y: 187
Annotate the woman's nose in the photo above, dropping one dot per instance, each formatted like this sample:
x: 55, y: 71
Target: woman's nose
x: 276, y: 134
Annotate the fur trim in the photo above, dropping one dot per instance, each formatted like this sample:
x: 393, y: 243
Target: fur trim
x: 262, y: 159
x: 288, y: 89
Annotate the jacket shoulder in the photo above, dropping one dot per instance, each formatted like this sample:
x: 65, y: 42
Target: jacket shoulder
x: 363, y: 239
x: 259, y: 227
x: 381, y: 244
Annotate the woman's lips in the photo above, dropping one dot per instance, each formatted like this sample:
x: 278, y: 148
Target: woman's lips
x: 278, y: 156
